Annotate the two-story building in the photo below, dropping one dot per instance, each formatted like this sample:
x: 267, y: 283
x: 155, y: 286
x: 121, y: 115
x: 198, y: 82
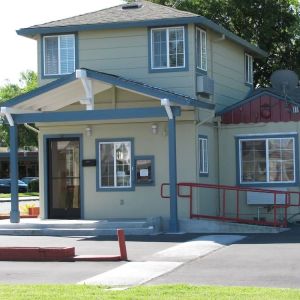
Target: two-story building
x: 126, y: 102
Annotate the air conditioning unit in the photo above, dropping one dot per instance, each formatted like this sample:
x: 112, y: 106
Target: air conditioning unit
x: 205, y: 85
x: 261, y: 198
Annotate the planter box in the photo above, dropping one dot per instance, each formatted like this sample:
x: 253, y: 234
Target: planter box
x: 33, y: 211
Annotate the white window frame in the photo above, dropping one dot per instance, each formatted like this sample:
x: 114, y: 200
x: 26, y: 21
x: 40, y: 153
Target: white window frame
x: 268, y: 181
x: 115, y: 186
x: 59, y: 59
x: 201, y: 51
x: 168, y: 48
x: 203, y: 155
x: 248, y: 68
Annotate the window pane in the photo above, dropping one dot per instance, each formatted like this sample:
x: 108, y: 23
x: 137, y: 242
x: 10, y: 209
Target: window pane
x: 107, y: 165
x: 51, y: 55
x: 201, y: 49
x: 159, y: 48
x: 253, y: 161
x: 123, y: 163
x: 203, y: 156
x: 67, y: 58
x: 281, y: 160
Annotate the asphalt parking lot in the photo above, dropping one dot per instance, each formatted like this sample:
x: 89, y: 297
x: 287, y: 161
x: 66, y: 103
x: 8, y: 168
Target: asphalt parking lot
x: 269, y: 260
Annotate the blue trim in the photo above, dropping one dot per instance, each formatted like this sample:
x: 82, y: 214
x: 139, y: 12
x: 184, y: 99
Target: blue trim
x: 145, y: 157
x: 267, y: 136
x: 203, y: 174
x: 199, y: 20
x: 45, y: 165
x: 13, y: 143
x: 119, y: 82
x: 173, y: 225
x: 169, y: 69
x: 43, y: 76
x: 114, y: 189
x: 41, y: 90
x: 94, y: 115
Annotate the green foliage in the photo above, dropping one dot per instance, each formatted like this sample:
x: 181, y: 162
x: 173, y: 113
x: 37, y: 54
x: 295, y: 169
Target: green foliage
x: 27, y: 82
x: 33, y: 186
x: 164, y: 292
x: 274, y: 26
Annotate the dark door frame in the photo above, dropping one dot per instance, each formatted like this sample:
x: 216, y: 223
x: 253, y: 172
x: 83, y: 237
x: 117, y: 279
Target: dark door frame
x: 46, y: 138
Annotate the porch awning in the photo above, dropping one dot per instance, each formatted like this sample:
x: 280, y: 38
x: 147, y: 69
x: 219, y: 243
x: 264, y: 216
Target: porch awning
x: 68, y: 90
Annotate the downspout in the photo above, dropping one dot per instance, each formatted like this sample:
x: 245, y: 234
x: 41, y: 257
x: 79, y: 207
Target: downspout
x: 31, y: 128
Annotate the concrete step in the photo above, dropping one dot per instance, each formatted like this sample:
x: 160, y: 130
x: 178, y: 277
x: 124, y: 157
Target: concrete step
x: 74, y: 232
x: 66, y: 224
x: 80, y: 227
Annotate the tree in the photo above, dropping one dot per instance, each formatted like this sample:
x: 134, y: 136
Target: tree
x: 272, y: 25
x: 27, y: 82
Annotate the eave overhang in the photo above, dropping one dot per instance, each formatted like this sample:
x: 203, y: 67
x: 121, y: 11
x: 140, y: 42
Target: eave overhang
x: 69, y: 90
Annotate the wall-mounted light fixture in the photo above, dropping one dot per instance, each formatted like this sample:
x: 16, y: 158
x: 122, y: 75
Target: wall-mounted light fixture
x: 154, y: 128
x: 89, y: 130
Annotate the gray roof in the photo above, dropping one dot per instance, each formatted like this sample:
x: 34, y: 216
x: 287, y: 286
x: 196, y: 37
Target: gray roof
x: 147, y: 11
x: 147, y: 15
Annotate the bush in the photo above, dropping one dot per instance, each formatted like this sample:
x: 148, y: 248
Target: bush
x: 33, y: 186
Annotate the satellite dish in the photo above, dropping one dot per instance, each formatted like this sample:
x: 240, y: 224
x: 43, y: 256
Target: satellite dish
x: 284, y: 81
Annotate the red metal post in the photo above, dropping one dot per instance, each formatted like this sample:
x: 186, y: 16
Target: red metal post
x: 122, y: 245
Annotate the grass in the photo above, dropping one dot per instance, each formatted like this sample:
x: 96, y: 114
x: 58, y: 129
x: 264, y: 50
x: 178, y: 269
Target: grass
x: 20, y: 195
x: 170, y: 292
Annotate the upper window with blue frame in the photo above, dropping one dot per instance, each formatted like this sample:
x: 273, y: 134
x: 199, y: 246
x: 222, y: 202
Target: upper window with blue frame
x: 168, y: 48
x: 59, y: 54
x: 269, y: 160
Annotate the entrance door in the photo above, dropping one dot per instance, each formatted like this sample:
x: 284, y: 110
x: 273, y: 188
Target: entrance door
x: 63, y: 178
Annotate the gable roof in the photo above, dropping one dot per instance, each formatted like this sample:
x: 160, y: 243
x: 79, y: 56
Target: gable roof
x: 148, y: 14
x: 52, y: 96
x: 269, y: 91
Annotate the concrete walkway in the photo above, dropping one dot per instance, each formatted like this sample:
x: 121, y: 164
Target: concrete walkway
x: 162, y: 262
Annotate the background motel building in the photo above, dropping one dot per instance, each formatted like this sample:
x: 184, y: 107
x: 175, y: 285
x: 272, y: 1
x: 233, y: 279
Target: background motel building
x: 139, y: 95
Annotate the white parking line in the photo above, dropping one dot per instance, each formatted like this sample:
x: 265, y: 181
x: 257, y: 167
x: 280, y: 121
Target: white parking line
x: 132, y: 273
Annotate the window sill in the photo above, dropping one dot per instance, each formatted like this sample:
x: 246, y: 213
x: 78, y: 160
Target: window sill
x: 267, y: 185
x: 249, y: 84
x: 54, y: 76
x: 166, y: 70
x: 203, y: 175
x: 112, y: 189
x: 200, y: 71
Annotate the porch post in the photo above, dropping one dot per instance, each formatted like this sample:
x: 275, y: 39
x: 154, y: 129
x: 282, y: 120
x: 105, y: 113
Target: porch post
x: 173, y: 225
x: 13, y: 138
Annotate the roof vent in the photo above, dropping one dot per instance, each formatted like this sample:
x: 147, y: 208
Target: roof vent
x: 132, y: 5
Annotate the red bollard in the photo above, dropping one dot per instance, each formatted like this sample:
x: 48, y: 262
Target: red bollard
x: 122, y: 245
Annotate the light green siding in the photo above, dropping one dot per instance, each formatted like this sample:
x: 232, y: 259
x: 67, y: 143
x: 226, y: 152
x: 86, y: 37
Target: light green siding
x: 226, y: 68
x: 144, y: 201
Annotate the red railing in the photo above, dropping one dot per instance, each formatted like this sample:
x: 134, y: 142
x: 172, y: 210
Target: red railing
x: 186, y: 190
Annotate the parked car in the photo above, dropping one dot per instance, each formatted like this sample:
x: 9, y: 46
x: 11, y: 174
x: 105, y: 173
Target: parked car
x: 28, y: 179
x: 5, y: 186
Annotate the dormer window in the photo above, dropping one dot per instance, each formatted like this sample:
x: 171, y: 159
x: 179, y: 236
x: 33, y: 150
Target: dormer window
x: 248, y: 69
x: 168, y: 48
x: 59, y: 54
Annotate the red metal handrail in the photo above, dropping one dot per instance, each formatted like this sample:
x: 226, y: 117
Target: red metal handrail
x: 224, y: 188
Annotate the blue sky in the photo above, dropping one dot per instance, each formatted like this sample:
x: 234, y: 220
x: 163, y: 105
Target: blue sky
x: 18, y: 53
